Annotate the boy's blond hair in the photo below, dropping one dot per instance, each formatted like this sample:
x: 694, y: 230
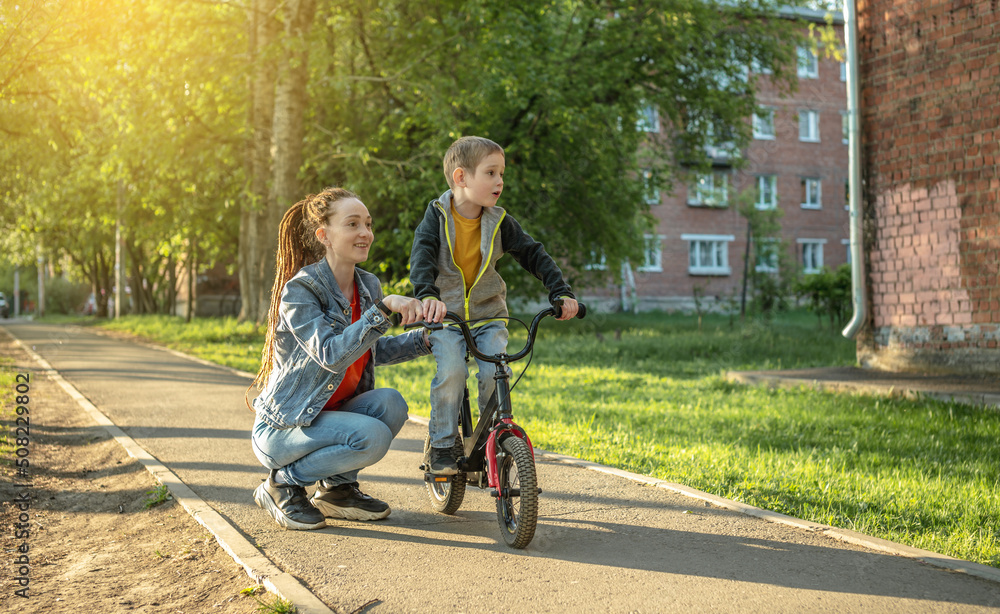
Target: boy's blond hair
x: 467, y: 152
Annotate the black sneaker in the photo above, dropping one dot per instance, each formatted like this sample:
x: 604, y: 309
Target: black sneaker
x: 347, y: 501
x: 443, y: 462
x: 288, y: 505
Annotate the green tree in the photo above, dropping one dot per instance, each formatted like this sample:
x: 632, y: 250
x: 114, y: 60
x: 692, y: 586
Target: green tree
x: 133, y: 130
x: 561, y: 85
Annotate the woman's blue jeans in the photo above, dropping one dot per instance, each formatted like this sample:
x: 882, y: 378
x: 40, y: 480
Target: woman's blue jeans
x: 337, y: 444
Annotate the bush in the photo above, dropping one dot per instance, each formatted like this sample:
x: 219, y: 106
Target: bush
x: 62, y: 296
x: 828, y: 293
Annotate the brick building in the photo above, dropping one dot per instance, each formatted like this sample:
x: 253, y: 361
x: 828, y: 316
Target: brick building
x: 930, y: 122
x: 797, y: 162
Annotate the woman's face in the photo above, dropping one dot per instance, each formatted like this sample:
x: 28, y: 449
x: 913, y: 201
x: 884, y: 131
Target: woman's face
x: 348, y: 234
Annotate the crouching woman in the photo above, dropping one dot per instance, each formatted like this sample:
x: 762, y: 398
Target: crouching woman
x: 319, y: 417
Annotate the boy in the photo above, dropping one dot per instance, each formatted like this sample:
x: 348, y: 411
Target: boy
x: 453, y: 268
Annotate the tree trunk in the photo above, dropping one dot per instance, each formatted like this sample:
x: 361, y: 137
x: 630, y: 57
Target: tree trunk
x: 264, y: 29
x: 279, y: 100
x: 290, y: 102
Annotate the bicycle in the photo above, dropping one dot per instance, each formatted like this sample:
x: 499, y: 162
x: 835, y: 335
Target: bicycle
x: 497, y: 453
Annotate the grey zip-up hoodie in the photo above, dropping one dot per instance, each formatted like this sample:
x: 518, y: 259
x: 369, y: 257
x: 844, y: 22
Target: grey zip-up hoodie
x: 434, y: 273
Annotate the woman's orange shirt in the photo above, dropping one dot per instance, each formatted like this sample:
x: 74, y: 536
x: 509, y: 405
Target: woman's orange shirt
x: 352, y: 377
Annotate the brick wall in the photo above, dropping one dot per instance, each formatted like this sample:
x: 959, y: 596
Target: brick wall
x: 930, y: 101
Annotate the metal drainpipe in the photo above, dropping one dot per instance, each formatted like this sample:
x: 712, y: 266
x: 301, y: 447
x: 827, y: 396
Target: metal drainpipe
x: 854, y: 170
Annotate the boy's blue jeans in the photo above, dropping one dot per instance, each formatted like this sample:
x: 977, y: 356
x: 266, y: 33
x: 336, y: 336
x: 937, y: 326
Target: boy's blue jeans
x: 337, y: 444
x: 448, y: 385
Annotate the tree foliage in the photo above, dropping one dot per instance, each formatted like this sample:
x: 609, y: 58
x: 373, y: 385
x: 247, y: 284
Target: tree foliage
x: 148, y: 117
x: 119, y: 117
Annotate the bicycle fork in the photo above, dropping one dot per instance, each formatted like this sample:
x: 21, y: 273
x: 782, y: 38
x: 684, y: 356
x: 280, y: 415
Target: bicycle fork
x: 503, y: 427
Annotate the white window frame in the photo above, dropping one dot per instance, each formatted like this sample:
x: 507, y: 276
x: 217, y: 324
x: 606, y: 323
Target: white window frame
x: 809, y: 119
x: 763, y: 125
x: 702, y: 192
x: 757, y: 67
x: 845, y: 127
x: 808, y: 63
x: 843, y: 72
x: 695, y: 245
x: 811, y: 186
x: 650, y: 192
x: 598, y: 261
x: 847, y: 245
x: 815, y: 263
x: 766, y: 183
x: 649, y: 119
x: 653, y: 252
x: 772, y: 246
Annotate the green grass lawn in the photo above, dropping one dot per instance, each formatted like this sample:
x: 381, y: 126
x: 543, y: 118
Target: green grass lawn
x: 646, y: 394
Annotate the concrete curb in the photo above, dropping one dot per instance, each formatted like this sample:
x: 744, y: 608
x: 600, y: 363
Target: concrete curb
x: 258, y: 567
x: 763, y: 379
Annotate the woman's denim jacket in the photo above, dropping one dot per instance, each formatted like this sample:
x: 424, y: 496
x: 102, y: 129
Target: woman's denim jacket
x: 315, y: 342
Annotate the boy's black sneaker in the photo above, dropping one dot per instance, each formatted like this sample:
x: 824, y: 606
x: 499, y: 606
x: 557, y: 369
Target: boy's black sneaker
x: 443, y: 462
x: 347, y: 501
x: 288, y: 504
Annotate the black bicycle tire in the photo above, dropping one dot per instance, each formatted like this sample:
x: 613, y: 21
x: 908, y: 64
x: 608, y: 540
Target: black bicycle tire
x: 517, y: 519
x: 446, y: 497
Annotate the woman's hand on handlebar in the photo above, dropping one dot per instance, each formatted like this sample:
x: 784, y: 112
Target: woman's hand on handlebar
x: 569, y: 309
x: 434, y: 310
x: 409, y: 309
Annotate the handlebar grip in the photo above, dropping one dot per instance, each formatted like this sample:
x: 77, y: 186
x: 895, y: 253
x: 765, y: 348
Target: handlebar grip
x: 580, y: 313
x: 427, y: 325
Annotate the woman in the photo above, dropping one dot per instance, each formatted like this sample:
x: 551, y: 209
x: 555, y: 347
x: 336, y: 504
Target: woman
x: 319, y: 416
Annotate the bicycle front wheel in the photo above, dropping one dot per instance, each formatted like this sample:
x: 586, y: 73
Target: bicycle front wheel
x: 517, y: 503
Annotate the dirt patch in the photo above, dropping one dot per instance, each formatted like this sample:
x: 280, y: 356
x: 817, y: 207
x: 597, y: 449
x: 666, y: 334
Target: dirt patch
x: 95, y: 540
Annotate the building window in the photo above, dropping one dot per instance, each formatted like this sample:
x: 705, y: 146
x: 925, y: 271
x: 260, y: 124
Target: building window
x: 766, y: 255
x: 847, y: 248
x: 650, y: 193
x: 812, y: 254
x: 708, y: 254
x: 811, y: 193
x: 808, y: 64
x: 649, y: 119
x: 843, y: 71
x: 709, y: 190
x: 596, y: 261
x: 847, y: 194
x: 767, y: 192
x: 653, y: 260
x: 763, y: 124
x: 809, y: 125
x: 761, y: 69
x: 845, y: 127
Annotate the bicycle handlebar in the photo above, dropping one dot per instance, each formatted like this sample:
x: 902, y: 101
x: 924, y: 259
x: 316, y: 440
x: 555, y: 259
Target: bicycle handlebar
x: 471, y: 343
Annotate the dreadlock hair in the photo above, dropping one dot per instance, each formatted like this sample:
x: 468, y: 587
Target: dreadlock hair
x: 297, y: 247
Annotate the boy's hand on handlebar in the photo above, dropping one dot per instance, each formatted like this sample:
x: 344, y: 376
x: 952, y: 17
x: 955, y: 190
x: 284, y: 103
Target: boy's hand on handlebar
x: 408, y: 308
x: 434, y: 310
x: 569, y: 309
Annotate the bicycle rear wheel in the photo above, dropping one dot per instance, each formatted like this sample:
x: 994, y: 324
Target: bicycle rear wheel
x: 517, y: 503
x: 446, y: 497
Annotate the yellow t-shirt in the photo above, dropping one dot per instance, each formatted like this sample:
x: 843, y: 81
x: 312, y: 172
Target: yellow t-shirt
x: 468, y: 241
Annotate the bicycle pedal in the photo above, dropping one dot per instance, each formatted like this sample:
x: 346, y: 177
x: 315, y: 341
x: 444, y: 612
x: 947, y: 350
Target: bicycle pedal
x: 437, y: 479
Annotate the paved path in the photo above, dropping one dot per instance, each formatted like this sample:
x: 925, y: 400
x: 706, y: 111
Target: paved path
x: 604, y: 543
